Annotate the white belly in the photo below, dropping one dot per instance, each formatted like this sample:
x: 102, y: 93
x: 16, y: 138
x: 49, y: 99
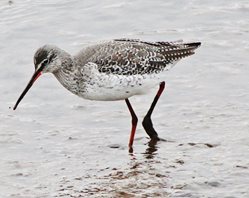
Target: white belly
x: 109, y: 87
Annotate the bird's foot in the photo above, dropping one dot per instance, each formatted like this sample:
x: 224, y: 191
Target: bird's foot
x: 148, y: 127
x: 130, y: 149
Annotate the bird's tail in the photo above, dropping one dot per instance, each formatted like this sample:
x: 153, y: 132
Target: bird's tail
x: 192, y: 46
x: 178, y: 50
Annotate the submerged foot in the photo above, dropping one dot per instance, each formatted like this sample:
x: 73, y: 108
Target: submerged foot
x: 148, y: 126
x: 130, y: 149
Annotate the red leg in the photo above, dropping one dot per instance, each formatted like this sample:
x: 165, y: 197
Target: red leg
x: 147, y: 123
x: 134, y: 124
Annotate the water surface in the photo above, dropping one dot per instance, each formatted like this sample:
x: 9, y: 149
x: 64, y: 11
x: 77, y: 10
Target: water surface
x: 58, y: 145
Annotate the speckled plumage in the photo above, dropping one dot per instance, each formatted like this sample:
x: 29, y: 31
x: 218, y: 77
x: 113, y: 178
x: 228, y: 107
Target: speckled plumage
x: 129, y: 57
x: 113, y: 70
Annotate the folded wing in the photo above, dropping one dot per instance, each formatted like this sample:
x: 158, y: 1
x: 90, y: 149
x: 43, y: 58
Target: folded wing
x: 130, y: 57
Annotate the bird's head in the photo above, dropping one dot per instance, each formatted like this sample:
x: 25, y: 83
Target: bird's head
x: 46, y: 59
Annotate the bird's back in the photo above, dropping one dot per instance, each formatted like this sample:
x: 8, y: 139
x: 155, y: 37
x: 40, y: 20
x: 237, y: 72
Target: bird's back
x: 130, y: 57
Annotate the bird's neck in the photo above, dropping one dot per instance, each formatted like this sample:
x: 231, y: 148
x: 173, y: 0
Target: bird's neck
x: 67, y: 74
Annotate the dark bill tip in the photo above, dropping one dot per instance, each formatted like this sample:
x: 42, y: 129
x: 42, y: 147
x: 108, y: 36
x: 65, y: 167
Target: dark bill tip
x: 29, y: 85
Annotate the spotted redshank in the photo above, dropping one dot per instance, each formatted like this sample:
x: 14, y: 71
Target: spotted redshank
x: 113, y: 70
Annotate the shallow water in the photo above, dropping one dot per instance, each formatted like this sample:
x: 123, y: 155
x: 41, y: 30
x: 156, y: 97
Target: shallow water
x: 58, y: 145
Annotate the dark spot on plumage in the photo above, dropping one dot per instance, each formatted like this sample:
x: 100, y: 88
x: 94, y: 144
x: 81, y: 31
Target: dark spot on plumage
x: 139, y: 66
x: 113, y: 63
x: 103, y: 69
x: 112, y: 70
x: 127, y: 92
x: 128, y: 73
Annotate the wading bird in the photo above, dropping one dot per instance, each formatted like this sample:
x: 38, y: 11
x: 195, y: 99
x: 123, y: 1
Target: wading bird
x: 113, y: 70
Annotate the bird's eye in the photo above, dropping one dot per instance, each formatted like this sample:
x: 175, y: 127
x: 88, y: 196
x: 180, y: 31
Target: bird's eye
x: 45, y: 62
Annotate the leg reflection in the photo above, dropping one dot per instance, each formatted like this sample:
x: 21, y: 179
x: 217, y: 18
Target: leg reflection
x: 151, y: 151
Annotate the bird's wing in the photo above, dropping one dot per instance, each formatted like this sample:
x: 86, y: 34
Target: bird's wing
x: 129, y: 57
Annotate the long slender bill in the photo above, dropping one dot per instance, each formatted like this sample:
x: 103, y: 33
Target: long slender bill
x: 31, y: 82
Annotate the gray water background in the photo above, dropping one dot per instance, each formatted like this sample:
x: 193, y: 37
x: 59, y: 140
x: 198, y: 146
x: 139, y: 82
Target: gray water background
x: 58, y: 145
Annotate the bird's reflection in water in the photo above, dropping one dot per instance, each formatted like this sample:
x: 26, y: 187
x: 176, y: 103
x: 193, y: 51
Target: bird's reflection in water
x: 144, y: 172
x: 151, y: 150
